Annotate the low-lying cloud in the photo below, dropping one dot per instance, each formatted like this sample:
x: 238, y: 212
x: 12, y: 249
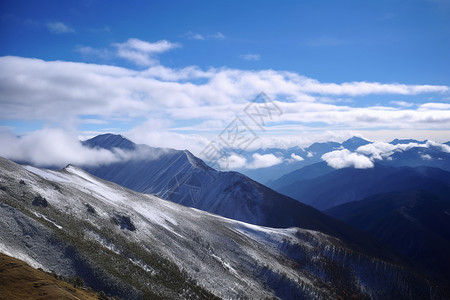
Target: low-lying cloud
x: 365, y: 156
x: 55, y: 148
x: 344, y: 159
x: 258, y: 161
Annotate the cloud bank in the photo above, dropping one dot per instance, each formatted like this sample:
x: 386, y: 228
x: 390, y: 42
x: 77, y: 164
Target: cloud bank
x: 55, y: 90
x: 66, y: 94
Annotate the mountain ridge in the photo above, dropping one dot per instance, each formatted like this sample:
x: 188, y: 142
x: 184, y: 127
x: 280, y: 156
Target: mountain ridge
x: 84, y: 217
x: 415, y: 223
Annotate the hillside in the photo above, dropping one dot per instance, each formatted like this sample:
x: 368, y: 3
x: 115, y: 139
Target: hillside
x: 140, y: 246
x: 19, y: 281
x: 416, y: 224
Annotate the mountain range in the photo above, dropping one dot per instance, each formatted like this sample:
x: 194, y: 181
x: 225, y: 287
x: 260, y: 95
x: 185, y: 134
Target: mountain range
x: 403, y: 152
x: 139, y: 246
x: 336, y: 187
x: 304, y: 157
x: 161, y: 223
x: 182, y: 178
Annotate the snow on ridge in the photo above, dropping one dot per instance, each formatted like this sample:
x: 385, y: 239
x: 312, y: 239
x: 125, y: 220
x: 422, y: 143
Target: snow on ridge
x: 47, y: 219
x: 47, y: 174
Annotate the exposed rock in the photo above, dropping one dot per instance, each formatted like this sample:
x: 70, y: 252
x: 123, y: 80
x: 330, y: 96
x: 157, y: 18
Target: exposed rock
x: 40, y: 201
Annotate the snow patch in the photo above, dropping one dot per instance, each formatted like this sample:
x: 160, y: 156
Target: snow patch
x: 47, y: 174
x: 47, y: 219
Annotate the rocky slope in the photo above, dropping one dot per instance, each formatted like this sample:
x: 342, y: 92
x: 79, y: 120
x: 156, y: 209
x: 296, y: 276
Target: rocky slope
x: 140, y: 246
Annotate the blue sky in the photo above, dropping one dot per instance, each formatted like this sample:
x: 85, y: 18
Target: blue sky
x: 177, y: 73
x: 338, y: 41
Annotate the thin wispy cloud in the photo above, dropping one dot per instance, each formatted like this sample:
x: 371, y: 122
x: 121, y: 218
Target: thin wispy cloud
x: 193, y: 36
x: 139, y: 52
x: 402, y: 103
x: 59, y: 28
x: 217, y: 36
x: 87, y: 51
x: 197, y: 36
x: 142, y: 52
x: 250, y: 57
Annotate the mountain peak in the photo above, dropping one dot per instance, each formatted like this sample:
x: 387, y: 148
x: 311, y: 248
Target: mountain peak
x: 406, y: 141
x: 196, y: 162
x: 109, y: 141
x: 354, y: 142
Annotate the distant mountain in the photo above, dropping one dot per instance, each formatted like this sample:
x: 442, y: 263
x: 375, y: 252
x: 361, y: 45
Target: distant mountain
x: 307, y: 172
x: 406, y: 141
x: 263, y: 175
x: 322, y: 148
x: 310, y: 155
x: 110, y: 141
x: 354, y: 143
x: 182, y: 178
x: 419, y: 156
x: 139, y: 246
x: 349, y: 184
x: 416, y: 224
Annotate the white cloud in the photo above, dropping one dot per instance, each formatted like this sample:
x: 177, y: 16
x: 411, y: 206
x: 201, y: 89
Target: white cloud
x: 425, y: 156
x: 193, y: 36
x: 197, y: 36
x: 233, y: 161
x: 366, y: 88
x: 156, y: 132
x: 58, y: 92
x: 377, y: 150
x: 344, y: 158
x: 309, y: 154
x: 381, y: 150
x: 402, y: 103
x: 141, y: 52
x: 250, y: 56
x: 89, y: 51
x: 264, y: 161
x: 217, y: 35
x: 54, y: 147
x: 434, y: 106
x: 296, y: 157
x: 443, y: 147
x: 59, y: 28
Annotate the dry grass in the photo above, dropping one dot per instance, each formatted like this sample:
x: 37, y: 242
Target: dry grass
x: 20, y: 281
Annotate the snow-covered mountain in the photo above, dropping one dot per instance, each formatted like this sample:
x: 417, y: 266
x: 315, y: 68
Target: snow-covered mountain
x: 399, y: 152
x: 182, y: 178
x: 140, y: 246
x: 294, y: 158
